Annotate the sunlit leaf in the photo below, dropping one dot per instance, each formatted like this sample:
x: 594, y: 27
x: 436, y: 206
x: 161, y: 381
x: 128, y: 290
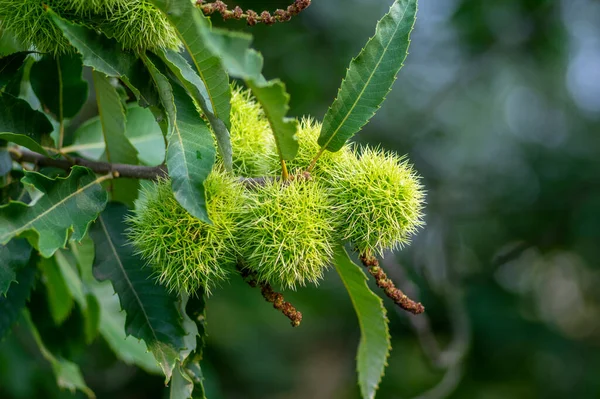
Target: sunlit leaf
x: 191, y: 26
x: 118, y: 149
x: 67, y: 204
x: 141, y: 130
x: 370, y: 76
x: 191, y: 152
x: 195, y: 86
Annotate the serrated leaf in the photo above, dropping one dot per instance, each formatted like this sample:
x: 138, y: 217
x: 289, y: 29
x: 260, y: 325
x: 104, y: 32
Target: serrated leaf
x: 151, y: 311
x: 244, y: 63
x: 13, y: 257
x: 142, y: 131
x: 195, y: 86
x: 57, y: 82
x: 13, y: 303
x: 107, y: 56
x: 10, y: 66
x: 191, y: 27
x: 118, y: 149
x: 274, y: 100
x: 22, y: 125
x: 68, y: 204
x: 60, y: 299
x: 374, y: 346
x: 68, y: 375
x: 190, y: 152
x: 370, y: 76
x: 111, y: 320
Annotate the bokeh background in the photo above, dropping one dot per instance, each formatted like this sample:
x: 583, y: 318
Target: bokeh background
x: 498, y: 107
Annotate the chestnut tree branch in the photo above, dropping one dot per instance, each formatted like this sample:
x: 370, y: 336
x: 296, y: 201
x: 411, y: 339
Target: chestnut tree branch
x: 116, y: 169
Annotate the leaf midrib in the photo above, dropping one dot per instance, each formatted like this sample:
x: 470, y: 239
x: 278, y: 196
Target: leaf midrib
x: 334, y: 134
x: 78, y: 191
x: 122, y: 268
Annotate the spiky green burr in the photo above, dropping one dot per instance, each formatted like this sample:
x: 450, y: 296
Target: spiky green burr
x: 136, y: 24
x: 308, y: 135
x: 286, y: 232
x: 378, y: 199
x: 185, y: 252
x: 252, y: 141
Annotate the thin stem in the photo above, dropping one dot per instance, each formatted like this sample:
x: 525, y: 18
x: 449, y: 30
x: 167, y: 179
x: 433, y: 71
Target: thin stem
x: 315, y: 159
x: 61, y: 120
x: 284, y: 172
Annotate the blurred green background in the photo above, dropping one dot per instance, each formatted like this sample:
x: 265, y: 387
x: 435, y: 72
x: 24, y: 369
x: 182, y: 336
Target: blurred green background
x: 498, y: 107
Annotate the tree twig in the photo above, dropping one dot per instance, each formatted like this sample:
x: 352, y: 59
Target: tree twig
x: 383, y: 282
x: 118, y: 170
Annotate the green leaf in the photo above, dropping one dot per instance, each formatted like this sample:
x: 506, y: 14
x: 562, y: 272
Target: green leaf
x: 243, y: 62
x: 111, y: 320
x: 107, y: 56
x: 14, y: 255
x: 88, y: 304
x: 152, y: 314
x: 195, y: 86
x: 190, y: 152
x: 234, y: 50
x: 141, y: 130
x: 374, y: 346
x: 10, y: 66
x: 58, y: 84
x: 68, y: 375
x: 191, y: 27
x: 370, y: 76
x: 9, y: 43
x: 118, y: 149
x: 274, y: 100
x: 68, y: 204
x: 59, y: 296
x: 16, y: 298
x: 22, y: 125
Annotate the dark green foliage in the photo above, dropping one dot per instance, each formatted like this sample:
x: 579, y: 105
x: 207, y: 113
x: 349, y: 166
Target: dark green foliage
x: 14, y: 302
x: 58, y: 84
x: 151, y: 311
x: 22, y: 125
